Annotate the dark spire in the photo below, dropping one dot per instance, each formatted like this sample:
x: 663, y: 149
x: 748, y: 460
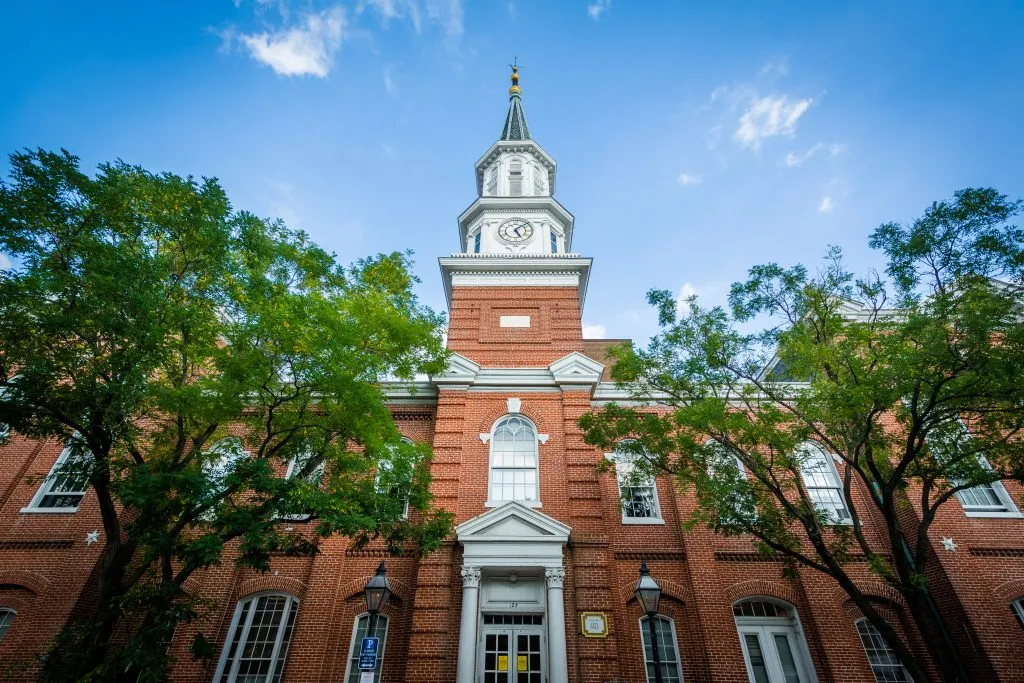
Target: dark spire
x: 515, y: 121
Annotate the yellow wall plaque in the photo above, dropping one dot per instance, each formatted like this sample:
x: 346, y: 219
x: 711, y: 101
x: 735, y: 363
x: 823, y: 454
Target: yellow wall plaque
x: 522, y: 663
x: 502, y: 662
x: 594, y: 624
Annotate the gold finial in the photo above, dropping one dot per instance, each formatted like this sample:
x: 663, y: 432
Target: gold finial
x: 514, y: 90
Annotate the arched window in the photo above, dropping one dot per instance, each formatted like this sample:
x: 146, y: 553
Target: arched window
x: 823, y: 484
x: 773, y: 646
x: 220, y: 461
x: 637, y: 493
x: 65, y: 485
x: 362, y: 625
x: 723, y: 459
x: 1017, y: 607
x: 885, y: 665
x: 515, y: 178
x: 257, y: 643
x: 6, y: 617
x: 301, y: 466
x: 668, y: 652
x: 514, y: 461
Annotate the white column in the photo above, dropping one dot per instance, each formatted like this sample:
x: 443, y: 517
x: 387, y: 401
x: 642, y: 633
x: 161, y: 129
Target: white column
x: 467, y: 627
x: 557, y: 661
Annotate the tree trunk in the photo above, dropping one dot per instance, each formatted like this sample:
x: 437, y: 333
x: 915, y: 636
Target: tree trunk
x: 943, y: 648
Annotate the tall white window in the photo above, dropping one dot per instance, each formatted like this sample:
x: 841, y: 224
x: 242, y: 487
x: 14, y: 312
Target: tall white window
x: 668, y: 653
x: 65, y: 485
x: 515, y: 178
x: 492, y: 181
x: 362, y: 625
x: 823, y: 484
x: 6, y: 617
x: 399, y: 490
x: 514, y: 461
x: 773, y: 648
x: 474, y: 242
x: 983, y: 499
x: 298, y: 467
x: 257, y: 644
x: 638, y: 495
x: 884, y: 663
x: 538, y: 180
x: 554, y: 242
x: 1017, y: 607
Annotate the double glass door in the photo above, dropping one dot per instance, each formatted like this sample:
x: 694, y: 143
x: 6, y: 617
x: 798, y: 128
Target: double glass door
x: 511, y: 653
x: 772, y: 655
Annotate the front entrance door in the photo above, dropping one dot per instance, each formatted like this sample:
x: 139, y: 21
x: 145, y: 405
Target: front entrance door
x: 771, y: 653
x: 511, y: 651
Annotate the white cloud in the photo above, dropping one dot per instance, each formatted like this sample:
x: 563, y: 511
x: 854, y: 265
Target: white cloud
x: 387, y: 149
x: 306, y: 50
x: 5, y: 262
x: 594, y: 331
x: 768, y: 117
x: 597, y: 8
x: 826, y: 205
x: 685, y: 293
x: 776, y: 68
x: 688, y: 179
x: 793, y: 159
x: 389, y: 82
x: 448, y: 13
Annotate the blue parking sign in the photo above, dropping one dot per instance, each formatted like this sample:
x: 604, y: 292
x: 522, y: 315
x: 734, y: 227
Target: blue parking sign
x: 368, y: 654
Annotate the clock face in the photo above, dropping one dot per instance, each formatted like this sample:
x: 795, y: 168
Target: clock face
x: 515, y: 230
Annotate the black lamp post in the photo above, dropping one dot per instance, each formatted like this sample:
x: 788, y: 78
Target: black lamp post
x: 377, y: 590
x: 648, y: 594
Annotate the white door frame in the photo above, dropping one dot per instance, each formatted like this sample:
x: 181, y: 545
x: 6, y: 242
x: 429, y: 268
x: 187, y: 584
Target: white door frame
x: 766, y: 628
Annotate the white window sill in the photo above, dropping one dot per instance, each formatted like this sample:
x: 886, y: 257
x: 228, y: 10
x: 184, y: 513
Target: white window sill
x: 642, y: 520
x: 499, y: 503
x: 1005, y: 514
x: 49, y: 511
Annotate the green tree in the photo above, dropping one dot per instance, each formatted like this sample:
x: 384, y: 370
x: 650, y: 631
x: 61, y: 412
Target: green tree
x: 186, y: 354
x: 914, y: 382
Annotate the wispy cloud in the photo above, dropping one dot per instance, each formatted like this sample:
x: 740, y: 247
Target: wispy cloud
x: 597, y: 8
x: 775, y: 68
x: 5, y: 262
x: 688, y: 179
x: 594, y: 331
x: 446, y: 13
x: 304, y: 50
x: 826, y: 205
x: 793, y: 159
x: 768, y: 117
x: 389, y: 82
x: 387, y: 149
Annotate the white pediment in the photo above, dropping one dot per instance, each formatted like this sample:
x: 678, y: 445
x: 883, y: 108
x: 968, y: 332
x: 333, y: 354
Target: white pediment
x: 512, y: 521
x: 576, y: 369
x: 461, y: 371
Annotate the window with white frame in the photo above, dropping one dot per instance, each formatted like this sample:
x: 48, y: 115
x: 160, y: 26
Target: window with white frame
x: 885, y: 665
x: 668, y: 652
x: 221, y: 459
x: 492, y: 181
x: 257, y: 643
x: 399, y: 490
x: 65, y: 485
x: 722, y: 459
x: 514, y: 461
x: 362, y: 625
x: 983, y: 499
x: 821, y: 479
x: 774, y: 649
x: 6, y: 617
x: 638, y: 495
x: 554, y: 242
x: 538, y: 180
x: 1017, y: 607
x: 515, y: 178
x: 475, y: 239
x: 302, y: 466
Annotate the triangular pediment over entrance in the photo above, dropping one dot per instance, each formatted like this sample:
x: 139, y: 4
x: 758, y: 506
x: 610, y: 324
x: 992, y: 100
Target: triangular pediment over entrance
x: 511, y: 534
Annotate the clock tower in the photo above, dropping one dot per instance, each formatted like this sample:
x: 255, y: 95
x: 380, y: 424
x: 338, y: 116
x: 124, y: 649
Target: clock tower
x: 515, y: 289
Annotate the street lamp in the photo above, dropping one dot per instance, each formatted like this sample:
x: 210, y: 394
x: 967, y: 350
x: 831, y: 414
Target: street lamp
x: 648, y: 594
x: 377, y: 590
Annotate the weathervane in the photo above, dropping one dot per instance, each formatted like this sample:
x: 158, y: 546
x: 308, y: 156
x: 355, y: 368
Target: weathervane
x: 514, y: 90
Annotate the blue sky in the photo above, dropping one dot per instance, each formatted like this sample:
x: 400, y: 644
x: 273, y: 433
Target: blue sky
x: 693, y: 139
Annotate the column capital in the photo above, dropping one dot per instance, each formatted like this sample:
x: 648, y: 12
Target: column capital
x: 555, y: 576
x: 471, y: 577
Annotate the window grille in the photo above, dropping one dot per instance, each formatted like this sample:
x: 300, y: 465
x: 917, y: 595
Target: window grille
x: 514, y: 460
x: 257, y: 646
x: 65, y: 485
x: 885, y: 665
x: 6, y: 617
x: 380, y: 630
x: 668, y: 653
x: 824, y: 487
x: 637, y: 492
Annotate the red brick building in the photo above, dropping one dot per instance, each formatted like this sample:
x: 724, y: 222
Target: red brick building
x: 536, y: 584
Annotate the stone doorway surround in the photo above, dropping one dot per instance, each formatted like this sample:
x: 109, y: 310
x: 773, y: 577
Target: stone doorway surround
x: 513, y: 537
